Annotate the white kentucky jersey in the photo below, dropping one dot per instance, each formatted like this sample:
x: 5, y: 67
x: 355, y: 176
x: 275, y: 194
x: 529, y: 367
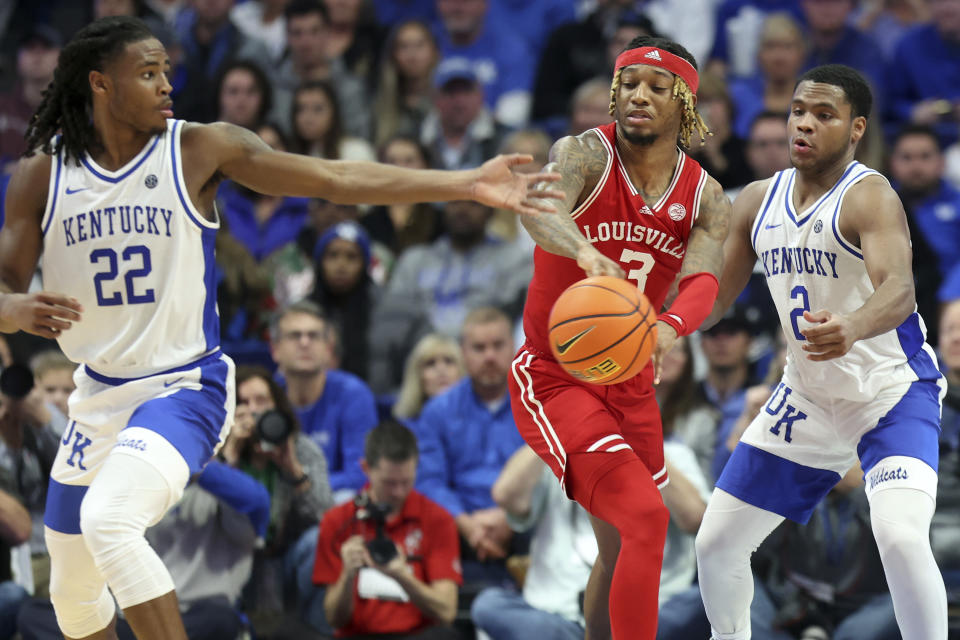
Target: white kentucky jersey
x: 809, y: 265
x: 132, y: 248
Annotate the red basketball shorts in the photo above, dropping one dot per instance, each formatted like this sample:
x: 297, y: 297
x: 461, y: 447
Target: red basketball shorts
x: 559, y: 416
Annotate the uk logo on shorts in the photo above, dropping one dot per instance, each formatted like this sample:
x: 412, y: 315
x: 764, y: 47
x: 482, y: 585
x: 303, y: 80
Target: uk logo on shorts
x: 790, y: 413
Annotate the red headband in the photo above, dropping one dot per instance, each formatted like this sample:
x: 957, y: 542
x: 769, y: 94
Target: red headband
x: 663, y: 59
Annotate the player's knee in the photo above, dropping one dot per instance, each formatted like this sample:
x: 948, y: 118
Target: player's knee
x: 105, y: 529
x: 713, y: 546
x: 898, y: 538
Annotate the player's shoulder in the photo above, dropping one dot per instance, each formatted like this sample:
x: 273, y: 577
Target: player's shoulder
x: 28, y: 185
x: 871, y: 199
x: 336, y: 516
x: 584, y: 150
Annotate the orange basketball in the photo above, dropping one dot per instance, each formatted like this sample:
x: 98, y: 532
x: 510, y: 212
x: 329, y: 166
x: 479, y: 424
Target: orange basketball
x: 602, y: 330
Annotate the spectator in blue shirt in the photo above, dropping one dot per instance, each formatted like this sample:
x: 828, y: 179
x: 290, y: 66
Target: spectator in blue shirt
x: 533, y: 20
x: 501, y: 59
x: 923, y: 79
x: 466, y: 436
x: 737, y: 34
x: 336, y: 409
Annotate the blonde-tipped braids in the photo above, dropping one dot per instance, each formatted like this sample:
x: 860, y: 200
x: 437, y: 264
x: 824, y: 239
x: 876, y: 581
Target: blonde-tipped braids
x: 690, y: 120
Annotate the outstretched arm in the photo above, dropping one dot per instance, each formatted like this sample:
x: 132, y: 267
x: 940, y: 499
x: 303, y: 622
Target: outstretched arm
x: 738, y: 254
x: 580, y: 161
x: 243, y: 157
x: 873, y: 217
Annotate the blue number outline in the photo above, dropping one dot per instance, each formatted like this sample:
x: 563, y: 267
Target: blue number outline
x: 107, y: 276
x: 112, y: 272
x: 795, y: 315
x: 144, y: 253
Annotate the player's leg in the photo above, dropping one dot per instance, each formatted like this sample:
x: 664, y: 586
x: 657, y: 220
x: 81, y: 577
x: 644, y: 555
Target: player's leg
x: 900, y: 455
x: 617, y: 488
x: 83, y: 604
x: 596, y: 596
x: 730, y: 532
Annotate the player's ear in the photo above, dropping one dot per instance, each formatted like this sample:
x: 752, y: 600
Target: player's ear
x: 858, y: 128
x: 99, y: 82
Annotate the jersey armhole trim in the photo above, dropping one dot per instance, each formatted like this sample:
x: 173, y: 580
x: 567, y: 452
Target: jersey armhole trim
x: 181, y: 185
x: 603, y: 177
x: 835, y: 219
x: 764, y: 206
x: 52, y: 190
x: 696, y: 199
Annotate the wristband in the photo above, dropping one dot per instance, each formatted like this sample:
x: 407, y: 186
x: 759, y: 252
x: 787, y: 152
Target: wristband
x: 696, y: 294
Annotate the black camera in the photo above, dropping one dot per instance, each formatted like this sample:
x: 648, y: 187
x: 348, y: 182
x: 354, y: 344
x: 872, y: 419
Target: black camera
x: 273, y: 428
x: 381, y: 548
x: 16, y: 381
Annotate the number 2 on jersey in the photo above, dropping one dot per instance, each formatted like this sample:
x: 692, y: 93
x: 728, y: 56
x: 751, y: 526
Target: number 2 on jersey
x: 799, y: 292
x: 111, y: 272
x: 646, y: 266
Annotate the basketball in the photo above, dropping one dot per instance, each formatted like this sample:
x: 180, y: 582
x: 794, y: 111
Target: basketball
x: 602, y: 330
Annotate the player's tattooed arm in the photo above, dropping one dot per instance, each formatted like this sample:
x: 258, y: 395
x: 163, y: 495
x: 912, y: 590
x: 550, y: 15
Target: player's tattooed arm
x: 705, y: 244
x: 580, y: 161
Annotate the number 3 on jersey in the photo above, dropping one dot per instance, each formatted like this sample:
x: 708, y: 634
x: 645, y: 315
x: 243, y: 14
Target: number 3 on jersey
x: 110, y: 273
x: 646, y: 266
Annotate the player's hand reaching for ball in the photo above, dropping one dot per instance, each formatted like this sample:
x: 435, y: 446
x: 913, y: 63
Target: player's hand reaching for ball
x: 498, y: 185
x: 831, y: 336
x: 666, y: 338
x: 44, y: 313
x: 595, y: 263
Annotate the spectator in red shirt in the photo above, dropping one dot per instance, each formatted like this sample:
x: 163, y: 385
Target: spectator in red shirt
x: 411, y: 596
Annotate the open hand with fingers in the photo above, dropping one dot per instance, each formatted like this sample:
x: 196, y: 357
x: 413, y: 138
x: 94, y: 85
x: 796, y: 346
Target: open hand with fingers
x: 831, y: 336
x: 498, y: 185
x: 44, y: 313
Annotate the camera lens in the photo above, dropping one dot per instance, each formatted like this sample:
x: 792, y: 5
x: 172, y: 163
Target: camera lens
x: 273, y: 427
x: 16, y: 381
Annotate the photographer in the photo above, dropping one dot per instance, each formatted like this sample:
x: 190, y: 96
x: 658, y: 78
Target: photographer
x: 28, y: 446
x: 267, y: 444
x: 390, y: 557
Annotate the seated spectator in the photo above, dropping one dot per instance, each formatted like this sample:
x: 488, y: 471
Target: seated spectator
x: 388, y: 559
x: 207, y: 542
x: 28, y: 446
x: 927, y: 91
x: 354, y: 36
x: 945, y: 529
x: 721, y: 154
x: 505, y: 224
x: 209, y: 41
x: 460, y: 132
x: 434, y: 286
x: 268, y: 445
x: 781, y: 54
x: 563, y: 549
x: 318, y: 127
x: 335, y: 408
x: 244, y: 95
x: 36, y: 59
x: 466, y: 436
x: 735, y: 40
x: 886, y: 21
x: 434, y: 365
x: 590, y: 106
x: 307, y: 61
x: 932, y: 205
x: 344, y: 289
x: 15, y: 528
x: 532, y: 21
x: 501, y: 60
x: 767, y: 148
x: 397, y: 227
x: 53, y: 381
x: 406, y: 81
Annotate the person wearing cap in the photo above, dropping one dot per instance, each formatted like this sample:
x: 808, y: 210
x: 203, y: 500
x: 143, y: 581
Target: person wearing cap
x: 36, y: 60
x: 461, y: 132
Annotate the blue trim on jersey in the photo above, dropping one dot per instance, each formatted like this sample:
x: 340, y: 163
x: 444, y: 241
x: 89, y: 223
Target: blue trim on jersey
x: 773, y: 192
x: 912, y: 339
x: 211, y: 319
x: 199, y: 362
x: 911, y: 428
x: 62, y: 512
x: 835, y: 220
x: 136, y: 165
x: 789, y: 196
x: 190, y: 419
x: 775, y: 484
x: 56, y: 190
x: 176, y: 176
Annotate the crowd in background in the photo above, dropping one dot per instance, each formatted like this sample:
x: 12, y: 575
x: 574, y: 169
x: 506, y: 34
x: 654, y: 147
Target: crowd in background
x: 344, y: 317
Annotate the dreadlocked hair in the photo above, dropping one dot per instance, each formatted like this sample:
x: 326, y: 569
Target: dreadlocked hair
x: 67, y: 103
x: 690, y: 120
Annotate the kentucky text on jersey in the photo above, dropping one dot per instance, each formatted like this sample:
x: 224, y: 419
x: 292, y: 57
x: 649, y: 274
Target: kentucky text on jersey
x: 654, y: 238
x: 121, y: 219
x: 783, y: 260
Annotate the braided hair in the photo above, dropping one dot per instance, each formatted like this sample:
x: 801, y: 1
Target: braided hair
x: 690, y: 120
x: 67, y: 105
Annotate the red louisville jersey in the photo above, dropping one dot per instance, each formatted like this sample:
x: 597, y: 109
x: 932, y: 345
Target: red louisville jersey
x: 648, y: 241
